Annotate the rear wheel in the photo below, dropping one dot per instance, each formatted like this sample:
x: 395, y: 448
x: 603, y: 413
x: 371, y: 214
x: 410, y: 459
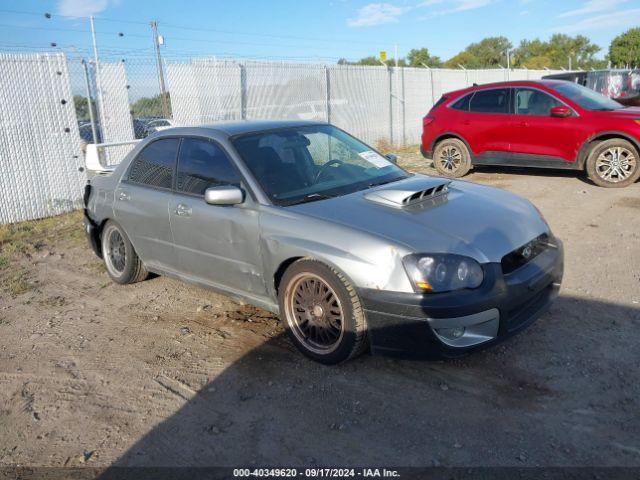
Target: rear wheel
x: 451, y: 158
x: 613, y: 163
x: 321, y: 312
x: 122, y: 263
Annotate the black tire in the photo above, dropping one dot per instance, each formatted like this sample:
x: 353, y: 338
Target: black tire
x: 451, y: 158
x: 604, y: 154
x: 120, y: 259
x: 351, y: 340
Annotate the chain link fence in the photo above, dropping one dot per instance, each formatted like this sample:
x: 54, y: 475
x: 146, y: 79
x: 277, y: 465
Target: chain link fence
x: 44, y: 137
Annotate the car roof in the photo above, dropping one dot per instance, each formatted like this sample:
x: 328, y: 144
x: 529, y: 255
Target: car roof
x: 510, y: 83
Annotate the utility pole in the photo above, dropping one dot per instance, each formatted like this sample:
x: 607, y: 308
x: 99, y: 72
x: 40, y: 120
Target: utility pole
x: 94, y: 131
x: 163, y: 90
x: 96, y: 67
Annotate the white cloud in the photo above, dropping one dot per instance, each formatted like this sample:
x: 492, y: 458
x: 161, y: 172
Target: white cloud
x: 593, y: 6
x: 81, y: 8
x: 455, y: 6
x: 377, y: 14
x: 618, y: 19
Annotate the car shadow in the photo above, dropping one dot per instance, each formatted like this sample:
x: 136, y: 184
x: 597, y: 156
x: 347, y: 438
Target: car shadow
x: 533, y: 172
x: 566, y: 391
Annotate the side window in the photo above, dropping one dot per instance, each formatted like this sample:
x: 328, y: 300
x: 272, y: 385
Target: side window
x: 463, y: 103
x: 154, y: 164
x: 530, y: 101
x: 490, y: 101
x: 203, y: 164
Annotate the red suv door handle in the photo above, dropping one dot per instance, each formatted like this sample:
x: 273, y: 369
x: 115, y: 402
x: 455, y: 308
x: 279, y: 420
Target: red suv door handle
x: 523, y: 124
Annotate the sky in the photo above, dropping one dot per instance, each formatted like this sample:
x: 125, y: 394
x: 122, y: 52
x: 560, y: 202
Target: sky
x: 304, y: 30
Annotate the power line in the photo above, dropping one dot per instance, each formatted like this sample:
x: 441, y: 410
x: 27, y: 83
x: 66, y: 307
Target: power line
x: 210, y: 30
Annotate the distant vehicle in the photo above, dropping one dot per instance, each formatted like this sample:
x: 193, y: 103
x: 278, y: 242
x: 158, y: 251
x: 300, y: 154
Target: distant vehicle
x: 306, y: 221
x: 621, y: 85
x: 140, y: 128
x: 548, y: 124
x: 86, y: 134
x: 158, y: 125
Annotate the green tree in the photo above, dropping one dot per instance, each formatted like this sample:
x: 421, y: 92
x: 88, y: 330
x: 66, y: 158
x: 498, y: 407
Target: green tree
x: 82, y: 107
x: 149, y: 107
x: 418, y: 57
x: 490, y: 52
x: 625, y: 49
x: 555, y: 53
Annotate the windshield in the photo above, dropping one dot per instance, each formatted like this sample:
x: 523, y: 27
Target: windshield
x: 585, y: 97
x: 301, y: 164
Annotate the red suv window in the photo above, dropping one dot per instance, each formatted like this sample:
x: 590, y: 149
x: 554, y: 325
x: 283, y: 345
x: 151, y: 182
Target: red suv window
x: 495, y: 100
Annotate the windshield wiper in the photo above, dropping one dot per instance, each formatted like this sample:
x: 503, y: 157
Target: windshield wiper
x: 312, y: 197
x: 384, y: 182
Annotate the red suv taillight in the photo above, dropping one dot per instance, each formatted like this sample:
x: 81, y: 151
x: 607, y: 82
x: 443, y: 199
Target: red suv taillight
x: 426, y: 121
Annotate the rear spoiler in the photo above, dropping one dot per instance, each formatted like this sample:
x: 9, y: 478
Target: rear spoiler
x: 93, y: 160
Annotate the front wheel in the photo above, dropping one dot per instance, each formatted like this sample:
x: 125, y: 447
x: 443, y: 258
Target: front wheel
x: 613, y: 163
x: 321, y: 312
x: 121, y: 260
x: 451, y: 158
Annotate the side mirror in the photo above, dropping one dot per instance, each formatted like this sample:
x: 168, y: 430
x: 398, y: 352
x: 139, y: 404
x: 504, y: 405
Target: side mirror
x: 560, y: 111
x: 391, y: 157
x: 224, y: 195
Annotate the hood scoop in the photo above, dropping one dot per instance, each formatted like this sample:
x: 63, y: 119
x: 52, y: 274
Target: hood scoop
x: 411, y: 192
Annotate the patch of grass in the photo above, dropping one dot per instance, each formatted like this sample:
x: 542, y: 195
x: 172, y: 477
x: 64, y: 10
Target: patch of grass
x: 33, y: 235
x: 385, y: 147
x: 4, y: 262
x: 16, y: 283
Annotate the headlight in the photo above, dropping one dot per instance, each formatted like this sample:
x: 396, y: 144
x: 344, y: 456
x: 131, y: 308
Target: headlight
x: 442, y: 272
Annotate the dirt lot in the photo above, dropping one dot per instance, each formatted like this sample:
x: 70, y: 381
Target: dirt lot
x: 162, y: 373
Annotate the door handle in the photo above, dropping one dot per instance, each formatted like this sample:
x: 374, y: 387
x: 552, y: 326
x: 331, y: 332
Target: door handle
x: 124, y: 196
x: 523, y: 124
x: 183, y: 210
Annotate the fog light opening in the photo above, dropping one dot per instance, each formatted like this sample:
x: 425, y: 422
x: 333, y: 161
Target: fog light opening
x: 451, y: 333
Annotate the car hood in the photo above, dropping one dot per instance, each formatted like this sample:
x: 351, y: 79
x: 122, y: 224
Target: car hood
x: 482, y: 222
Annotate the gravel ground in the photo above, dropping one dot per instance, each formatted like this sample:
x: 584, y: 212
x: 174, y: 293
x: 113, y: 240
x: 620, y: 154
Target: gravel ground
x: 163, y: 373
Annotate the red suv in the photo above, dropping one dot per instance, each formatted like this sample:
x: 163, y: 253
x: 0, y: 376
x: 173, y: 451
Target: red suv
x: 548, y: 123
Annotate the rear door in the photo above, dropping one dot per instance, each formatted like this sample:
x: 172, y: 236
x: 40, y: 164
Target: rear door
x: 214, y: 243
x: 536, y: 136
x: 485, y: 125
x: 142, y: 199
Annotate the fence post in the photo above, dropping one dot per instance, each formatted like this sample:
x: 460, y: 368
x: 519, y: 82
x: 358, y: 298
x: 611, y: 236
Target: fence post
x: 433, y: 100
x: 404, y: 112
x: 390, y: 105
x: 243, y: 91
x: 327, y: 93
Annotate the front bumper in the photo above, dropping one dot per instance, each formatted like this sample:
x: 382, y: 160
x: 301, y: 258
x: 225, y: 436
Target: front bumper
x: 419, y: 325
x: 92, y: 232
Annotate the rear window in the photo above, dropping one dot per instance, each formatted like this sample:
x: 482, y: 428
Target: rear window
x: 439, y: 102
x: 463, y: 103
x: 490, y: 101
x: 154, y: 164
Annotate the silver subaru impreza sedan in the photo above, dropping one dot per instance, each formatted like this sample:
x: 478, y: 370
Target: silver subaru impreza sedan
x: 306, y: 221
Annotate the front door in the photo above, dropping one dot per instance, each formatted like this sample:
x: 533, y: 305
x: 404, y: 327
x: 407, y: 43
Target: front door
x: 216, y: 244
x: 536, y: 135
x: 141, y: 203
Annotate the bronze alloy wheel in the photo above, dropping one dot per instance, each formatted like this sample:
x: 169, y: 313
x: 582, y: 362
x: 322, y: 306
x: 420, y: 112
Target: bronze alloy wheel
x: 314, y: 313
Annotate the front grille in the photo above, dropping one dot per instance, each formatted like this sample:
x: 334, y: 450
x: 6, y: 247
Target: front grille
x: 525, y: 253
